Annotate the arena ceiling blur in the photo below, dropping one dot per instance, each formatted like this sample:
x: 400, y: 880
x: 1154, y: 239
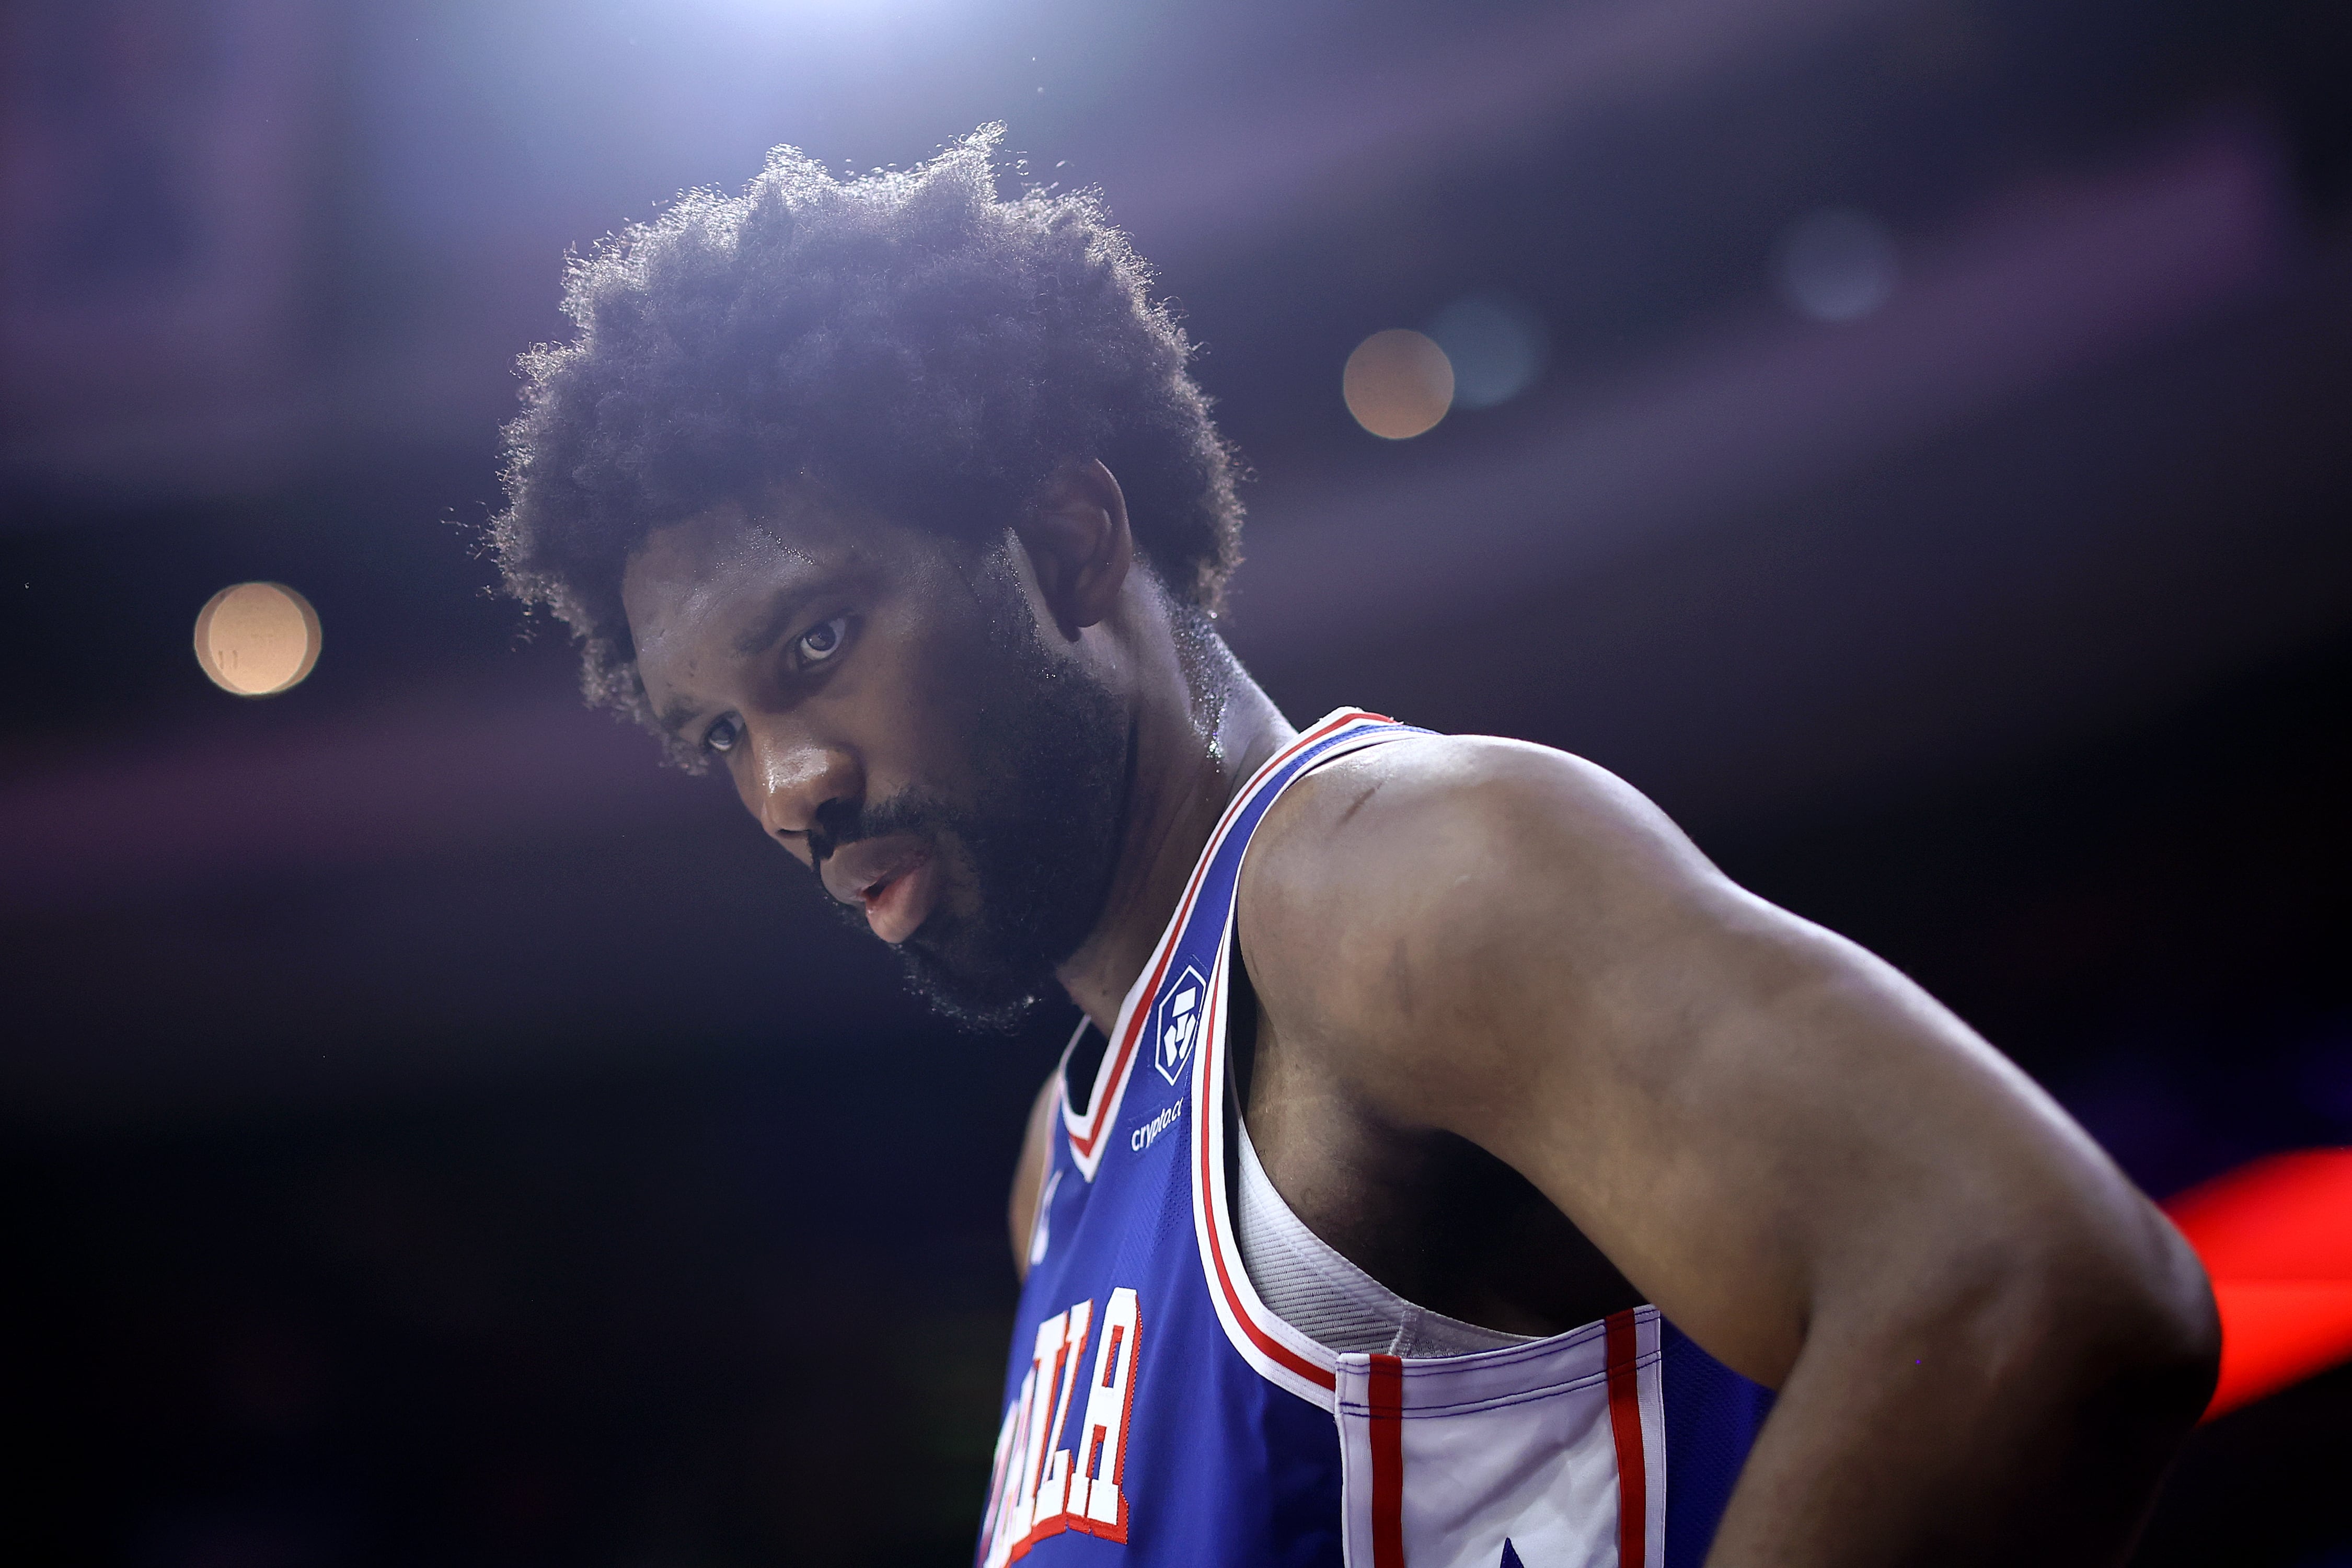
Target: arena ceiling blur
x: 1906, y: 438
x: 1902, y: 386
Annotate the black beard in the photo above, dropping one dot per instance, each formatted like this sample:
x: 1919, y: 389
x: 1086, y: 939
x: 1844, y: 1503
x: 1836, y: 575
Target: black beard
x: 1040, y: 839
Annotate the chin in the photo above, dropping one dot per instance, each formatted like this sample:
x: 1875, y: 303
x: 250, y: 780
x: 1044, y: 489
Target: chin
x: 989, y: 1000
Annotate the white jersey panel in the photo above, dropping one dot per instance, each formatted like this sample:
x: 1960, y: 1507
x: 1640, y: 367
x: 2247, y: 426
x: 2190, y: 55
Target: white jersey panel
x: 1547, y: 1455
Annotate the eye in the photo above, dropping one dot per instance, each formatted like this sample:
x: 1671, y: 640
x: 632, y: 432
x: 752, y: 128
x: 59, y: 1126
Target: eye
x: 722, y: 736
x: 820, y: 643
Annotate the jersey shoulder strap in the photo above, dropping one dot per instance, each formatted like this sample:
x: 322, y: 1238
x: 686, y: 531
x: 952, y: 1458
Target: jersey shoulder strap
x: 1187, y: 952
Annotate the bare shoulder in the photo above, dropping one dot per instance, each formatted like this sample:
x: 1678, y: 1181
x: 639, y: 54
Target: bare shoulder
x: 1445, y: 785
x: 1451, y: 824
x: 1395, y: 891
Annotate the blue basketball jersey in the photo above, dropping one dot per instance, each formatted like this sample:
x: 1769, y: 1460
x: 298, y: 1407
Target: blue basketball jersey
x: 1156, y: 1412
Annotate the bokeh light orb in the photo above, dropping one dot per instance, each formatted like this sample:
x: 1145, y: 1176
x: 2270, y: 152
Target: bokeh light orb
x: 1835, y: 265
x: 1398, y: 384
x: 1497, y: 345
x: 258, y: 639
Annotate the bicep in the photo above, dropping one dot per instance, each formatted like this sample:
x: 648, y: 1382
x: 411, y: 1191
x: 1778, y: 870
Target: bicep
x: 1760, y: 1123
x: 1750, y: 1115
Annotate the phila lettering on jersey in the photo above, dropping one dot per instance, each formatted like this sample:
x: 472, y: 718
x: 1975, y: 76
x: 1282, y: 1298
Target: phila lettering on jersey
x: 1157, y: 1414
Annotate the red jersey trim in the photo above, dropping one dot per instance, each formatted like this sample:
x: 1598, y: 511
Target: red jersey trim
x: 1385, y: 1389
x: 1256, y: 1333
x: 1625, y: 1428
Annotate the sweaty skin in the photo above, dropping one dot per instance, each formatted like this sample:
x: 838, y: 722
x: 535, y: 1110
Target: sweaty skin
x: 1523, y: 1054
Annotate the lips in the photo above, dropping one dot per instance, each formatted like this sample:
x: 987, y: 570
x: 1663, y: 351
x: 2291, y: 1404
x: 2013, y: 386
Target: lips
x: 896, y: 879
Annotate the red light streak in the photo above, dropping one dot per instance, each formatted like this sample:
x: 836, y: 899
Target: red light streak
x: 2276, y: 1238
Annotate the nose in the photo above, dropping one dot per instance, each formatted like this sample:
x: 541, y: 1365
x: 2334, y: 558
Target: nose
x: 793, y: 778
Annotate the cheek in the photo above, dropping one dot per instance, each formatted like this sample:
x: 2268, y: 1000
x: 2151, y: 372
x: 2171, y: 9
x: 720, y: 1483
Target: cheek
x: 935, y: 678
x: 747, y: 789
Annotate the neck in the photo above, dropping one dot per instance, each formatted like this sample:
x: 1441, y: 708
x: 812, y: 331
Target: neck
x: 1191, y: 756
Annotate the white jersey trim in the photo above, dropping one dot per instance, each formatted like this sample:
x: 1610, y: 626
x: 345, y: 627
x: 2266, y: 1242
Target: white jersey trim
x: 1282, y: 1355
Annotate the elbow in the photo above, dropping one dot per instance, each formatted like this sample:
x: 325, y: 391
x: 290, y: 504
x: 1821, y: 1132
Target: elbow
x: 2139, y: 1326
x: 2180, y: 1358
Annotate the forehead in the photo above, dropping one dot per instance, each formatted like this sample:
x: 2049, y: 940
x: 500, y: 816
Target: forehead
x: 727, y: 570
x: 694, y: 569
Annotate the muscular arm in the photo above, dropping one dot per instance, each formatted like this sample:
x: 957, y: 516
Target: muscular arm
x: 1986, y: 1343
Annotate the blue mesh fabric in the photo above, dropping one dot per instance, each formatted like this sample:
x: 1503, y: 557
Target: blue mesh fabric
x: 1712, y: 1417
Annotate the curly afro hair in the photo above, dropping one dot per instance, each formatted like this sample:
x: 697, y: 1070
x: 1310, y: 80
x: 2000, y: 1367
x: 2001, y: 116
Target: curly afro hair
x: 905, y: 339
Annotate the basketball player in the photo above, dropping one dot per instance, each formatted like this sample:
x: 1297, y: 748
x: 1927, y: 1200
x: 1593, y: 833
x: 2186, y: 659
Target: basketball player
x: 1452, y: 1168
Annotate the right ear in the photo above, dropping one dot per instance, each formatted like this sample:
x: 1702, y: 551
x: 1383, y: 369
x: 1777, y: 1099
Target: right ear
x: 1079, y: 543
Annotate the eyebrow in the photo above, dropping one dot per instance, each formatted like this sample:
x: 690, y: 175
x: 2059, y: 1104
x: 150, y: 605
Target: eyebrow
x: 783, y: 609
x: 673, y: 717
x: 785, y: 605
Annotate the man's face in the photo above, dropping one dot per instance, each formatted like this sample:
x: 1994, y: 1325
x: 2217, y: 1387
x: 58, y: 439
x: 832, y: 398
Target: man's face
x: 892, y: 708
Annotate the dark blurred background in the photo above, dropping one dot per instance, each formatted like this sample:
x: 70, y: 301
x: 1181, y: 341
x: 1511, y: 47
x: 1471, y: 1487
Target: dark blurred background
x: 1913, y: 449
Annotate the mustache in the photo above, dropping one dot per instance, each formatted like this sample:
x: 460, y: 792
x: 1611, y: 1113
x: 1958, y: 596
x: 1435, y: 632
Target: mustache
x: 838, y: 823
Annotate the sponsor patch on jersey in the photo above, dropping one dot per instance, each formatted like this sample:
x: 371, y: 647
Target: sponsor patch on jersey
x: 1177, y: 1022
